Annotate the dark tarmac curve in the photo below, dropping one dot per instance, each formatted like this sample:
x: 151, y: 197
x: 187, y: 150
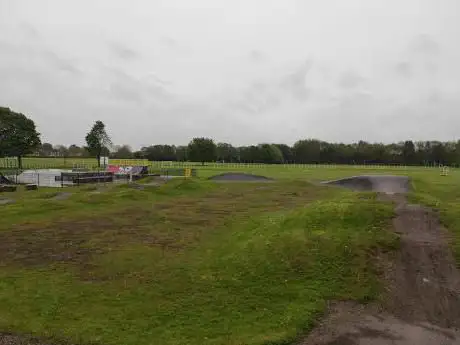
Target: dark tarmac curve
x: 240, y: 177
x: 388, y: 184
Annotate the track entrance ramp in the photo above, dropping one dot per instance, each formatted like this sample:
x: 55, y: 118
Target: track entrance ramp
x: 388, y: 184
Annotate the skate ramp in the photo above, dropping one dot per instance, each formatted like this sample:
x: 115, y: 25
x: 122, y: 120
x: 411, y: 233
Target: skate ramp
x: 4, y: 180
x: 388, y: 184
x: 243, y: 177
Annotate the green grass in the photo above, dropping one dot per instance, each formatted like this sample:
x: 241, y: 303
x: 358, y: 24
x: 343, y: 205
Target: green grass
x: 443, y: 194
x: 195, y: 262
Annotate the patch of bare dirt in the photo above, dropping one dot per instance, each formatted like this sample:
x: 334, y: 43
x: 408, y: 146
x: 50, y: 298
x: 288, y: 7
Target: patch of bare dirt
x: 70, y: 241
x: 421, y: 305
x: 11, y: 339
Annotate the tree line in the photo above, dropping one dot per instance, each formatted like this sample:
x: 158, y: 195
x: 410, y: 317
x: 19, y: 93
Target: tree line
x: 308, y: 151
x: 18, y: 137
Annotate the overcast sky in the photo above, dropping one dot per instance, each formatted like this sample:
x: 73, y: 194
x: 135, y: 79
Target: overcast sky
x: 241, y: 71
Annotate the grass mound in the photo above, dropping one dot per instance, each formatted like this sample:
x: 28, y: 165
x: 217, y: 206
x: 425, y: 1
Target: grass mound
x: 240, y: 264
x: 239, y: 176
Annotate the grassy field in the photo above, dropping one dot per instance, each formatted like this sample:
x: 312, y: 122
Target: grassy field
x: 196, y: 262
x: 443, y: 194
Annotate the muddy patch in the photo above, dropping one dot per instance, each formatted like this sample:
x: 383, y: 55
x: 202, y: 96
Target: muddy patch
x: 352, y: 324
x: 12, y: 339
x: 74, y: 241
x: 421, y: 303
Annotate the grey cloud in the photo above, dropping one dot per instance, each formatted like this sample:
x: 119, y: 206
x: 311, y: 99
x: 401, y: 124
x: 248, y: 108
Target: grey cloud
x: 169, y: 42
x: 174, y: 46
x: 425, y: 44
x: 257, y: 56
x: 123, y: 52
x: 434, y: 97
x: 350, y: 80
x: 60, y: 63
x: 211, y: 71
x: 42, y: 54
x: 144, y: 90
x: 30, y: 31
x: 269, y: 94
x: 431, y: 67
x: 403, y: 69
x: 254, y: 100
x: 295, y: 82
x: 125, y: 92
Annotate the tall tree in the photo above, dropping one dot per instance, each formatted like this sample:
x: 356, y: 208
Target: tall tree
x: 98, y: 141
x: 18, y: 135
x: 287, y: 152
x: 46, y: 149
x: 226, y: 153
x: 76, y: 151
x: 408, y: 153
x: 61, y: 150
x: 160, y: 153
x: 123, y: 152
x: 270, y: 154
x: 202, y: 150
x: 307, y: 151
x: 181, y: 153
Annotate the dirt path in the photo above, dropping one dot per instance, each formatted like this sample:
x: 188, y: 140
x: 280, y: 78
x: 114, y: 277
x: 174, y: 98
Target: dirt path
x: 422, y: 300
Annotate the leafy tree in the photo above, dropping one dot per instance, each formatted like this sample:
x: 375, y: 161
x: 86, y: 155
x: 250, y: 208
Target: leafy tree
x: 202, y: 150
x: 286, y: 150
x: 181, y: 153
x: 269, y: 154
x: 250, y: 154
x: 46, y: 149
x: 139, y: 154
x: 408, y: 152
x: 226, y: 152
x: 18, y: 135
x: 160, y: 153
x: 439, y: 153
x: 76, y: 151
x: 61, y: 150
x: 123, y: 152
x: 307, y: 151
x: 98, y: 141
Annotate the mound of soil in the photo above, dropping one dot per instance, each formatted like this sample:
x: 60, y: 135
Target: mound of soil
x: 388, y: 184
x: 422, y: 300
x: 240, y: 177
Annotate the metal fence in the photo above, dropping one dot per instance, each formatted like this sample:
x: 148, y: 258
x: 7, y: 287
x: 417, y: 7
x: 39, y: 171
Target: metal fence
x: 157, y: 166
